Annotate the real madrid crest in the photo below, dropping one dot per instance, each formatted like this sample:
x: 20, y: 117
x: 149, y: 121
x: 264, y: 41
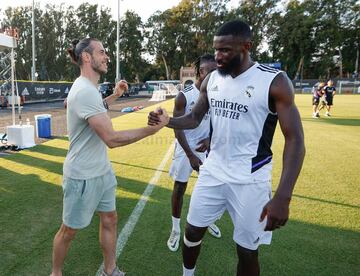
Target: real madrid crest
x: 249, y: 90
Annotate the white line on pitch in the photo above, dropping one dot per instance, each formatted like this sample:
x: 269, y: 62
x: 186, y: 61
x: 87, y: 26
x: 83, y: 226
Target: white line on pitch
x: 134, y: 217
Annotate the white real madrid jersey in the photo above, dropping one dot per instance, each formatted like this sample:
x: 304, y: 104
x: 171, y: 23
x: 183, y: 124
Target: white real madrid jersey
x: 193, y: 136
x: 243, y: 126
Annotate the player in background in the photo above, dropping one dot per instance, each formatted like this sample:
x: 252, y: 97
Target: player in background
x: 191, y: 148
x: 318, y: 92
x: 330, y: 91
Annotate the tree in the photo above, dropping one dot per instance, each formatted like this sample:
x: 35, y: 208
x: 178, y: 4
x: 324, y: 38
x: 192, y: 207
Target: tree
x: 51, y: 44
x: 305, y: 36
x: 131, y: 47
x: 292, y: 40
x: 179, y: 35
x: 161, y: 39
x: 20, y: 18
x: 257, y: 14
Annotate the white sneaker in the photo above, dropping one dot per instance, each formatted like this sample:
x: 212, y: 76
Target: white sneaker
x: 116, y: 272
x: 327, y: 114
x: 214, y: 231
x: 173, y: 241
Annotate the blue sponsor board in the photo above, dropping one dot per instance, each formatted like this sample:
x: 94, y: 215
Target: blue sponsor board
x: 43, y: 91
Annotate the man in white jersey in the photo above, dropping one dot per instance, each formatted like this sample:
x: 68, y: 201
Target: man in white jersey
x: 190, y: 148
x: 245, y: 100
x: 89, y: 183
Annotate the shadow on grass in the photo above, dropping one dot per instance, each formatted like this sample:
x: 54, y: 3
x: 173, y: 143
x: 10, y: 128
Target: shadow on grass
x: 50, y: 166
x: 335, y: 121
x: 50, y: 150
x: 300, y: 248
x: 64, y: 138
x: 142, y: 167
x: 30, y: 214
x: 30, y: 210
x: 325, y: 201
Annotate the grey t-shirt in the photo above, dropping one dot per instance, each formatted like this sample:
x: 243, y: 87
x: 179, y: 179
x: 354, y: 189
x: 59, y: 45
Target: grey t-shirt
x: 87, y: 156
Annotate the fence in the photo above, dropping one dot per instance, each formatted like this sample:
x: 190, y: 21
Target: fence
x: 40, y: 91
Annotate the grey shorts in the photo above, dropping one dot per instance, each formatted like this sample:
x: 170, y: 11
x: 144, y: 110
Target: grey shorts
x: 83, y: 197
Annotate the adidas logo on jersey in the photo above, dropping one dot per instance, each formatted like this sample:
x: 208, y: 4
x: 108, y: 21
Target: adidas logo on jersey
x: 187, y: 88
x: 249, y: 90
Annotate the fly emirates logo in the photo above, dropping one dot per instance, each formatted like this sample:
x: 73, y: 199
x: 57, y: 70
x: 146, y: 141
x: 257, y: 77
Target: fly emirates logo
x: 227, y: 109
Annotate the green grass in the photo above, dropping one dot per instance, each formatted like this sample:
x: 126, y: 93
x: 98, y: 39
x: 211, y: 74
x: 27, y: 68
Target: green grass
x: 322, y: 236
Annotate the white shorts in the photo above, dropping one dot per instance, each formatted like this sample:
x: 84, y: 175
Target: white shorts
x: 244, y: 203
x: 180, y: 169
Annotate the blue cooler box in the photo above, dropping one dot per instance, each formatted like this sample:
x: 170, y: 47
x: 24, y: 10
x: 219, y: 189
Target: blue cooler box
x: 43, y: 123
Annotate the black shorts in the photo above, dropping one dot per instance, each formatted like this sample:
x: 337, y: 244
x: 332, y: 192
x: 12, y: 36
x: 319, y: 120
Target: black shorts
x: 315, y: 100
x: 329, y: 99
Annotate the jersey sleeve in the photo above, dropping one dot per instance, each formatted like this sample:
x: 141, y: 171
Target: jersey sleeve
x: 90, y: 104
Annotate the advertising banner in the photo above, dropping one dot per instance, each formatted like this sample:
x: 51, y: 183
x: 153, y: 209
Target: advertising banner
x: 42, y: 91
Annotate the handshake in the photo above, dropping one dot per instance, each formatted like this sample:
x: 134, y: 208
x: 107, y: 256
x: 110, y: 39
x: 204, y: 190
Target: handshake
x: 158, y: 118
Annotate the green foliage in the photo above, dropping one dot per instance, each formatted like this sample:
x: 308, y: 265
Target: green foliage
x: 304, y: 36
x: 131, y: 37
x: 257, y: 14
x: 314, y: 32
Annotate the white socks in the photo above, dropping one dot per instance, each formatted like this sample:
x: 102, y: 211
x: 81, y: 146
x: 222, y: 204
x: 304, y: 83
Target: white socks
x: 188, y: 272
x: 176, y: 224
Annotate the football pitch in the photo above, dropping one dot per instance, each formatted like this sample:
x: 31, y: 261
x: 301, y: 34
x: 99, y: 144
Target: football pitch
x: 322, y: 236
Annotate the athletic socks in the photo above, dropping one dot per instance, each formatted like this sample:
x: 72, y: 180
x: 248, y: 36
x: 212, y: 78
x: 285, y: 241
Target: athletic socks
x: 188, y: 272
x: 176, y: 224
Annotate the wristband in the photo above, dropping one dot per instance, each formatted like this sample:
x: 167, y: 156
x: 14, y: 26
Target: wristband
x: 105, y: 104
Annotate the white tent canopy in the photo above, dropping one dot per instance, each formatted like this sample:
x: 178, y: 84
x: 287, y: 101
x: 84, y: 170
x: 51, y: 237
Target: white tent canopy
x: 9, y: 42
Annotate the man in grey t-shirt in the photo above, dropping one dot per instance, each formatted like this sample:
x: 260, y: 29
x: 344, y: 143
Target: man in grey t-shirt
x: 89, y: 183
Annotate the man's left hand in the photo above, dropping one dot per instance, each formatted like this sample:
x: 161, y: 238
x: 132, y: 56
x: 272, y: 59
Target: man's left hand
x: 120, y: 88
x: 277, y: 213
x: 203, y: 145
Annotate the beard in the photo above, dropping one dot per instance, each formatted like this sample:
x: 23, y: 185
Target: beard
x: 228, y: 68
x: 96, y: 66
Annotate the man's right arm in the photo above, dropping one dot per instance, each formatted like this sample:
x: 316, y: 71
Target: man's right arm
x: 190, y: 120
x: 102, y: 125
x: 179, y: 110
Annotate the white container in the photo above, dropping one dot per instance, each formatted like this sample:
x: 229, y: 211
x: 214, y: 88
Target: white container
x: 16, y: 100
x: 21, y: 136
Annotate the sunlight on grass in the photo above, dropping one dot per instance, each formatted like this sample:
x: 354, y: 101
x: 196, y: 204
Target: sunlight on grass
x: 6, y: 190
x: 321, y: 237
x: 21, y: 169
x: 47, y: 157
x: 121, y: 193
x: 58, y: 143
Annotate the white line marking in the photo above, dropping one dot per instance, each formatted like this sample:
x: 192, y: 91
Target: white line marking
x: 136, y: 213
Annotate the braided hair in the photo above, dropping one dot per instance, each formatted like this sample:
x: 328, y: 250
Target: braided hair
x: 202, y: 59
